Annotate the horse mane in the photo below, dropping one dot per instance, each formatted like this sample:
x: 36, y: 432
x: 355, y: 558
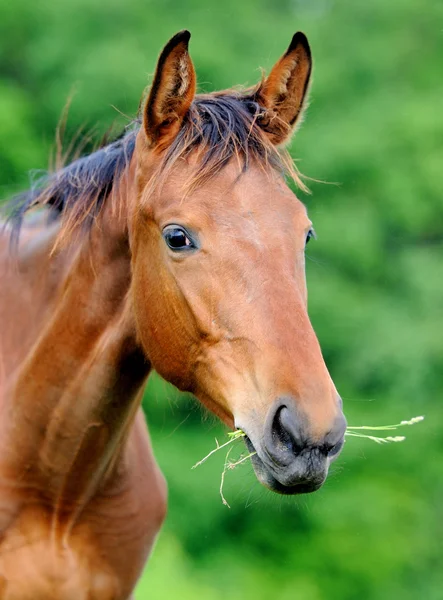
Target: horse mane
x: 219, y: 126
x: 76, y: 192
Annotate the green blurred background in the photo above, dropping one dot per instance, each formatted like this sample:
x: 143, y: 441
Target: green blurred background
x: 374, y: 132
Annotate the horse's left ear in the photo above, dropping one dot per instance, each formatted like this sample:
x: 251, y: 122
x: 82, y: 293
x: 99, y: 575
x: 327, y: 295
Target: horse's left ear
x: 284, y: 91
x: 172, y: 91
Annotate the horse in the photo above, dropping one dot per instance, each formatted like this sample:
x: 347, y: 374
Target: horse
x: 177, y: 247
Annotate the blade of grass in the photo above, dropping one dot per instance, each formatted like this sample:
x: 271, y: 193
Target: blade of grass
x: 351, y: 431
x: 233, y: 435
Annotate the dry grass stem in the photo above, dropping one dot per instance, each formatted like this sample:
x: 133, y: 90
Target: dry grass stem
x: 350, y: 432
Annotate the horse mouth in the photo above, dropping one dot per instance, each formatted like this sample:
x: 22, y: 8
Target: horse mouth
x: 267, y: 474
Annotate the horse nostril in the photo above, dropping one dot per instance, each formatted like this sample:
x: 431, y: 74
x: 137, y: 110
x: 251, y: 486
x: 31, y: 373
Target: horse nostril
x: 285, y: 434
x: 280, y: 435
x: 332, y: 450
x: 335, y: 439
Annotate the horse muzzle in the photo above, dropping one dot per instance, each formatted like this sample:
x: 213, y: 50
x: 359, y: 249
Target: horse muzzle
x: 287, y: 459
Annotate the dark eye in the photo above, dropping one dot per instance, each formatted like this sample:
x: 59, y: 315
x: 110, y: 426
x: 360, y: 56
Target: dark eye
x: 311, y: 234
x: 178, y: 238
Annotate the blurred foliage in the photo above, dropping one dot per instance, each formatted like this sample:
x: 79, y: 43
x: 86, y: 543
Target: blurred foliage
x: 374, y: 131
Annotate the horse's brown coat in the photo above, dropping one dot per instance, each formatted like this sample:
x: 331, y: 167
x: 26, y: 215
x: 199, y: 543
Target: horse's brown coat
x: 82, y: 319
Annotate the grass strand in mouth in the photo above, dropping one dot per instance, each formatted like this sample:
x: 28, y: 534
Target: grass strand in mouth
x: 228, y: 465
x: 233, y: 435
x: 356, y: 431
x: 351, y: 431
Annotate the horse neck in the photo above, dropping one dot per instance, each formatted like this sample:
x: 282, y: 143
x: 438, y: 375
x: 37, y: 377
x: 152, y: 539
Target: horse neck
x: 76, y: 394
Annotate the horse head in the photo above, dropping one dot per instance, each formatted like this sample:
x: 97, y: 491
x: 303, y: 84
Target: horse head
x: 218, y: 263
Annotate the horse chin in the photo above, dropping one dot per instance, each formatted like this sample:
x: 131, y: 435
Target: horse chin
x: 267, y: 479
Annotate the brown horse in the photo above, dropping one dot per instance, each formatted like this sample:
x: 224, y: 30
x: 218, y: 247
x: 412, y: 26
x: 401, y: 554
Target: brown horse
x: 179, y: 248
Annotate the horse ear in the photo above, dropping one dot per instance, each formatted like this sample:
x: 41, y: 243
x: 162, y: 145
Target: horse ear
x: 284, y: 91
x: 172, y: 91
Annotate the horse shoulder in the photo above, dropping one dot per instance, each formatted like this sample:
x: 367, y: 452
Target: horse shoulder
x: 97, y: 554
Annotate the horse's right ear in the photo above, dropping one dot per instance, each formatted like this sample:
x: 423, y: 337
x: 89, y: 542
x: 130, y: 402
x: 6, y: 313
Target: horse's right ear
x: 171, y: 93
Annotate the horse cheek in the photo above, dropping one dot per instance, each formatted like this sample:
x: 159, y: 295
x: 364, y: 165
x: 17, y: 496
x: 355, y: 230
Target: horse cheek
x: 164, y: 328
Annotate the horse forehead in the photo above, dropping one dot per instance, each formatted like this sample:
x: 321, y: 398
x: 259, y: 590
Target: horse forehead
x: 233, y: 196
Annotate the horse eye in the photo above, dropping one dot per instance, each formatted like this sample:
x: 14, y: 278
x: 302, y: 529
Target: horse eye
x: 177, y: 238
x: 311, y: 234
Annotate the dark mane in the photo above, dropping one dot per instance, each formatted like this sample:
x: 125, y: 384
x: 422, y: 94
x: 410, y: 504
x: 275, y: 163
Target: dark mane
x: 77, y: 191
x: 219, y: 126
